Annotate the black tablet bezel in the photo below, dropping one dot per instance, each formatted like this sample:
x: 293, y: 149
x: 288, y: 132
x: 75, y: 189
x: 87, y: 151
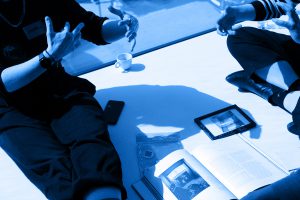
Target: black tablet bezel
x: 240, y: 129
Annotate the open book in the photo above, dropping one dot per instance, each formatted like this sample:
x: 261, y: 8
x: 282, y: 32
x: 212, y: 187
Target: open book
x: 228, y: 168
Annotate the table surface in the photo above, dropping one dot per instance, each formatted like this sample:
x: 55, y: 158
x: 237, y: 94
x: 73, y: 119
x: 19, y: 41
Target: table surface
x: 166, y: 89
x: 163, y: 92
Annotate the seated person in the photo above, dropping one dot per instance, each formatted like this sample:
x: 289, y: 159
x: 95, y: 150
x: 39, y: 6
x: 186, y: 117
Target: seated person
x: 270, y: 60
x: 50, y: 123
x: 271, y: 71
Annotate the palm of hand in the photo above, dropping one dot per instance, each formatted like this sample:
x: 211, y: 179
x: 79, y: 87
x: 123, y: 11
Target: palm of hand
x: 128, y: 20
x: 132, y: 24
x: 293, y: 23
x: 61, y: 44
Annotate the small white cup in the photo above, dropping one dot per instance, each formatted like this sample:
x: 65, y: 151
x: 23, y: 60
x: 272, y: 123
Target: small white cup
x: 124, y: 61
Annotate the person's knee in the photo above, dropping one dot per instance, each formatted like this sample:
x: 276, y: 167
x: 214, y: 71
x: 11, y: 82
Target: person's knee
x: 238, y: 43
x: 265, y: 193
x: 237, y: 38
x: 247, y: 34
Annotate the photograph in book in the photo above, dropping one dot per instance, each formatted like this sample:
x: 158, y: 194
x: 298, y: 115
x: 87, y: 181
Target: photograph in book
x: 183, y: 181
x: 180, y: 176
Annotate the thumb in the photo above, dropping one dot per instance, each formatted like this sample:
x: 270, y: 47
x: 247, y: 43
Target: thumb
x: 124, y: 22
x: 236, y: 26
x: 115, y: 11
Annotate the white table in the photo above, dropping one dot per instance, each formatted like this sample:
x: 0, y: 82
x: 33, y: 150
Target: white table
x: 166, y: 89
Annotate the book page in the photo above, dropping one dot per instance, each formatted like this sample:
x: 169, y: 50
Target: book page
x: 180, y: 176
x: 238, y: 165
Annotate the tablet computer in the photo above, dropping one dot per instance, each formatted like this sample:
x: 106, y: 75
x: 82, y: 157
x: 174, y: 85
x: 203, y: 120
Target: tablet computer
x: 225, y: 122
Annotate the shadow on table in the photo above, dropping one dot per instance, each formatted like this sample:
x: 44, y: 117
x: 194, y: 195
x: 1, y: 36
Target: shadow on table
x: 152, y: 111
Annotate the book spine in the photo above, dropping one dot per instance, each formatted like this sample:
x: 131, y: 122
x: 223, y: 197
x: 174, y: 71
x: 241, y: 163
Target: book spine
x: 263, y: 154
x: 152, y: 189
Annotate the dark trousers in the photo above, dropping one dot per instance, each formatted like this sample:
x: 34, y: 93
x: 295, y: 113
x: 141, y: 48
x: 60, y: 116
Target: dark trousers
x: 255, y: 48
x: 285, y: 189
x: 67, y: 155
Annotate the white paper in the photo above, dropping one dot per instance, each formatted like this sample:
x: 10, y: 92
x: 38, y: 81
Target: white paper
x: 236, y: 164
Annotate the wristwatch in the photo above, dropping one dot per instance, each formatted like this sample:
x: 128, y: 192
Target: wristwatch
x: 45, y: 62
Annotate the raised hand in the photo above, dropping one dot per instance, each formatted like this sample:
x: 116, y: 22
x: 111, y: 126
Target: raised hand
x: 293, y: 22
x: 226, y: 25
x: 62, y: 43
x: 229, y: 21
x: 128, y: 20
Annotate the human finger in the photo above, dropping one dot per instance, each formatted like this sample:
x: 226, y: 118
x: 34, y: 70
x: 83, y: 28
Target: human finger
x: 133, y: 44
x: 115, y: 11
x: 124, y: 22
x: 77, y: 29
x: 128, y: 33
x: 282, y: 23
x: 131, y: 36
x: 223, y: 26
x: 77, y: 37
x: 67, y: 27
x: 77, y: 42
x: 289, y: 9
x: 236, y: 26
x: 49, y: 25
x: 130, y: 21
x: 294, y: 16
x: 49, y: 29
x: 233, y: 29
x: 221, y: 31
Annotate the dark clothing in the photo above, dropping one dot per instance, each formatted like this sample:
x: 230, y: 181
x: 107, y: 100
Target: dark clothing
x: 28, y: 40
x: 53, y: 128
x: 66, y: 156
x: 268, y: 9
x: 285, y: 189
x: 255, y: 49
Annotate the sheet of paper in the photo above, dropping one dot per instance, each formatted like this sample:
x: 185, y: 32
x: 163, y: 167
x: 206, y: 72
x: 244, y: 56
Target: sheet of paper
x: 239, y: 166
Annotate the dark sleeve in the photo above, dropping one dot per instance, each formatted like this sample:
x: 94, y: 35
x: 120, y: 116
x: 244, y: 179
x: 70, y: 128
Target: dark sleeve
x: 3, y: 91
x: 285, y: 188
x: 92, y: 23
x: 288, y: 187
x: 268, y: 9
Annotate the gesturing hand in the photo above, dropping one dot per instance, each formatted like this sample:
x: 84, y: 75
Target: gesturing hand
x: 227, y: 24
x: 62, y: 43
x: 128, y: 20
x: 293, y: 22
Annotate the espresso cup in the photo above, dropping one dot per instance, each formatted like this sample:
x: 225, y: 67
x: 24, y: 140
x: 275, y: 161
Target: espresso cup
x: 124, y: 61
